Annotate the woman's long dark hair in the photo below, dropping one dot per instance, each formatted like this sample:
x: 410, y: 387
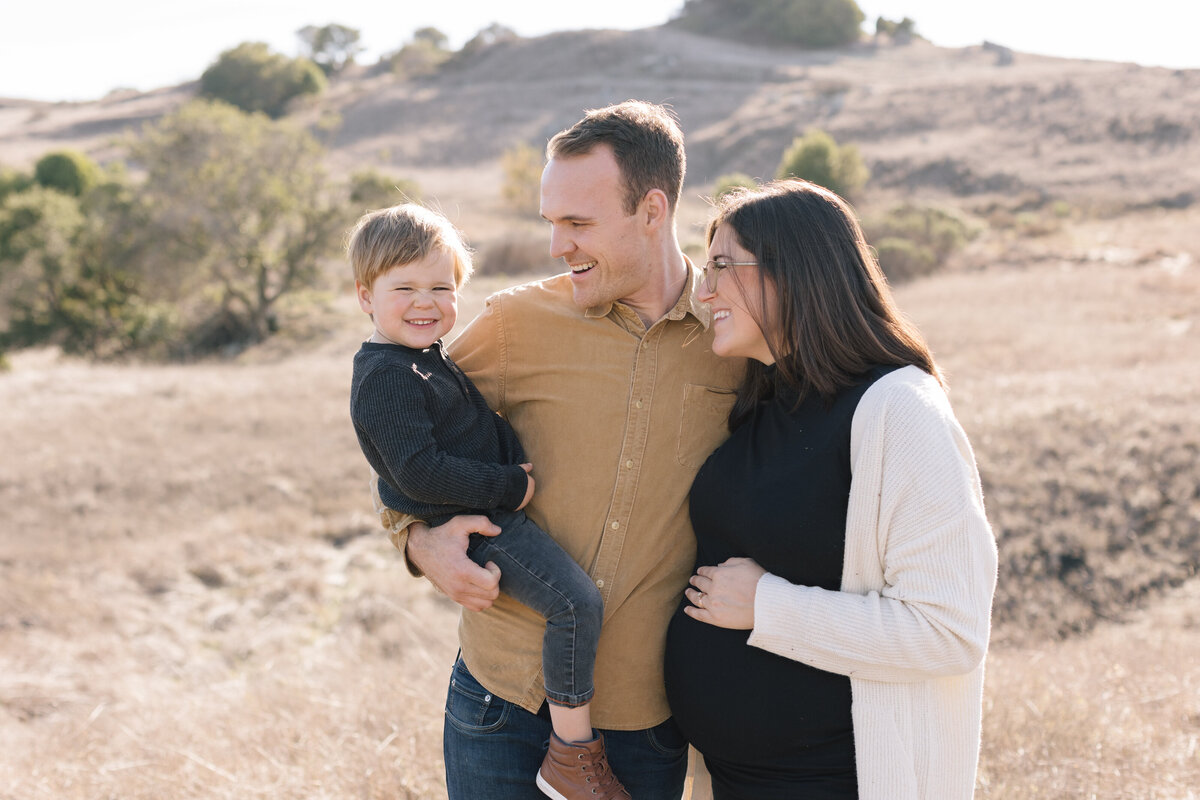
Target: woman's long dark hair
x: 834, y: 317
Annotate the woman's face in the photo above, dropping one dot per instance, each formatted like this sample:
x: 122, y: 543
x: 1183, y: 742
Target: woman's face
x: 736, y: 300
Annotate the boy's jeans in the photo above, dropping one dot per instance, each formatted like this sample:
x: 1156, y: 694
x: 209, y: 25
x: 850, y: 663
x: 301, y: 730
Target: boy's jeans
x: 538, y: 573
x: 493, y: 749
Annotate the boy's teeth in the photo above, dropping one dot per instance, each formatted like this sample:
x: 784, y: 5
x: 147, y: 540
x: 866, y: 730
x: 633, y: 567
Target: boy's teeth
x: 583, y: 267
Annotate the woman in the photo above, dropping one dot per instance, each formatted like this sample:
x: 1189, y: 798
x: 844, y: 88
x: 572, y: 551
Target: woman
x: 841, y: 525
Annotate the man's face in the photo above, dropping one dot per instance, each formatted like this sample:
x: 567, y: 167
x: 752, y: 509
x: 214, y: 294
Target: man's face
x: 607, y: 249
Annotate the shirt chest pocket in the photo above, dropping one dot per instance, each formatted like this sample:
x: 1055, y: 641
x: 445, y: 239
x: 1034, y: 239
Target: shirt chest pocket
x: 703, y: 424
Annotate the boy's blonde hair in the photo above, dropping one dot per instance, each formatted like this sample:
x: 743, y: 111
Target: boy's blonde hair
x: 392, y: 237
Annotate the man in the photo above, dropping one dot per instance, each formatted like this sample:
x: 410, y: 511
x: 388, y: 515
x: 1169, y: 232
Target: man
x: 608, y: 376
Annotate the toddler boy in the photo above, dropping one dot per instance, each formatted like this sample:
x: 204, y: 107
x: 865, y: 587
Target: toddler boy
x: 440, y: 451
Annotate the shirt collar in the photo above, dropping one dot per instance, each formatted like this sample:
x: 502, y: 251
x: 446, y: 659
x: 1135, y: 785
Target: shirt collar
x: 686, y: 304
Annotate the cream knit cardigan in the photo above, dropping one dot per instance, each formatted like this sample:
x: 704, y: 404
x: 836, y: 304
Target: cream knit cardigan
x: 910, y: 625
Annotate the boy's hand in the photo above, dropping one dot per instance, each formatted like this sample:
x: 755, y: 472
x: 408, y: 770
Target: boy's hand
x: 528, y: 489
x: 441, y: 553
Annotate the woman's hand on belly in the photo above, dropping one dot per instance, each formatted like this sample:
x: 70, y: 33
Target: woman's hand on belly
x: 724, y: 595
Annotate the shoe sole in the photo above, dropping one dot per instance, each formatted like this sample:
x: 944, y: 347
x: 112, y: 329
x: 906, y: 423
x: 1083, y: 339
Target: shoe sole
x: 549, y: 790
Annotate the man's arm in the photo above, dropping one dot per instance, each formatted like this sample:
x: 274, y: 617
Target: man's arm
x: 440, y: 554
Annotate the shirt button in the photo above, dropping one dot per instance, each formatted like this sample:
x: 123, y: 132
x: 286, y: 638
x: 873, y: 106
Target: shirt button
x: 638, y: 404
x: 600, y: 583
x: 629, y: 464
x: 616, y: 525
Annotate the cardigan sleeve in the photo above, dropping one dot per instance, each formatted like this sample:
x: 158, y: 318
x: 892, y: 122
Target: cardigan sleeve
x: 925, y: 561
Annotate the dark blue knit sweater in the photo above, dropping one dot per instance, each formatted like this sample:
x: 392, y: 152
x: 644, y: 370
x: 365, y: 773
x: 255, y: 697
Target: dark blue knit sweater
x: 425, y: 428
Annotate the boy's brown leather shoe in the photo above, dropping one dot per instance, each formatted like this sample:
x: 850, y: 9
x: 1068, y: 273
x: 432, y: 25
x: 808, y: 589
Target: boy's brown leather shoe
x: 579, y: 771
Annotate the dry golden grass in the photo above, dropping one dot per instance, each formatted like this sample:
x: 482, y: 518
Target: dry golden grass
x: 194, y: 600
x: 1112, y: 715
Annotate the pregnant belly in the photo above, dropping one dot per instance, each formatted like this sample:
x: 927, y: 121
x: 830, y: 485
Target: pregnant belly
x: 742, y: 704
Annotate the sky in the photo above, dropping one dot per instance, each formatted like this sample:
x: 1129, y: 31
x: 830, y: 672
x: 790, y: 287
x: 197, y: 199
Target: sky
x: 57, y: 50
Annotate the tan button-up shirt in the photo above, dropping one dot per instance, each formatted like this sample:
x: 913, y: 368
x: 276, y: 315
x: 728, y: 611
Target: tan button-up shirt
x: 616, y: 419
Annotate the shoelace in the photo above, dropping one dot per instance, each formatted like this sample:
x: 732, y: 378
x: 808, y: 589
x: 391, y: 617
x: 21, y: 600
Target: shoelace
x: 606, y: 781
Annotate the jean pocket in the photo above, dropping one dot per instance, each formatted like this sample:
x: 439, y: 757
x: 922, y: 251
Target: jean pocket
x: 470, y: 707
x: 667, y: 739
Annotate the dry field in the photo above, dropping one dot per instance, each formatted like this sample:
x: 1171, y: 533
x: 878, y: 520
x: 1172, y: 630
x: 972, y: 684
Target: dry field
x: 194, y: 601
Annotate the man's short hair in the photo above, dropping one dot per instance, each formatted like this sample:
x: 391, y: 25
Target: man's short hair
x: 391, y: 237
x: 645, y: 139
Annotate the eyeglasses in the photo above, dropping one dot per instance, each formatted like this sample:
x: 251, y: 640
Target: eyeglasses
x: 712, y: 271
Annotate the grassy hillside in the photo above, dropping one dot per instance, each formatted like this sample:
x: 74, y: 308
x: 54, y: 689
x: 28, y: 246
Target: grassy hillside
x: 195, y: 600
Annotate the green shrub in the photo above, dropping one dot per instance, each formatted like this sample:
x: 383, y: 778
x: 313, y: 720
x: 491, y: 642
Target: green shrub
x: 808, y: 23
x: 68, y: 171
x: 13, y: 180
x: 371, y: 189
x: 522, y: 189
x: 912, y: 241
x: 903, y: 259
x: 417, y: 58
x: 66, y: 276
x: 253, y: 78
x: 816, y: 157
x: 731, y: 182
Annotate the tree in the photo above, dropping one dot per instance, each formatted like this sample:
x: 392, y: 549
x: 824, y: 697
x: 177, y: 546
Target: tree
x: 248, y: 202
x: 67, y: 171
x: 424, y: 55
x: 67, y: 275
x: 253, y: 78
x: 901, y: 32
x: 435, y: 38
x: 38, y: 232
x: 816, y: 157
x: 488, y: 36
x: 331, y: 47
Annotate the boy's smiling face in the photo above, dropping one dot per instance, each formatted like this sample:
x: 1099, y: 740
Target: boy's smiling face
x: 413, y: 304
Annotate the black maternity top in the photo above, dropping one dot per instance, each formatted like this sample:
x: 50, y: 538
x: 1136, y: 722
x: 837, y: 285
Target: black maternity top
x: 777, y: 492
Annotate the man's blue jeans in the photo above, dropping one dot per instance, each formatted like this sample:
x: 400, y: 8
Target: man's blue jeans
x: 493, y: 749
